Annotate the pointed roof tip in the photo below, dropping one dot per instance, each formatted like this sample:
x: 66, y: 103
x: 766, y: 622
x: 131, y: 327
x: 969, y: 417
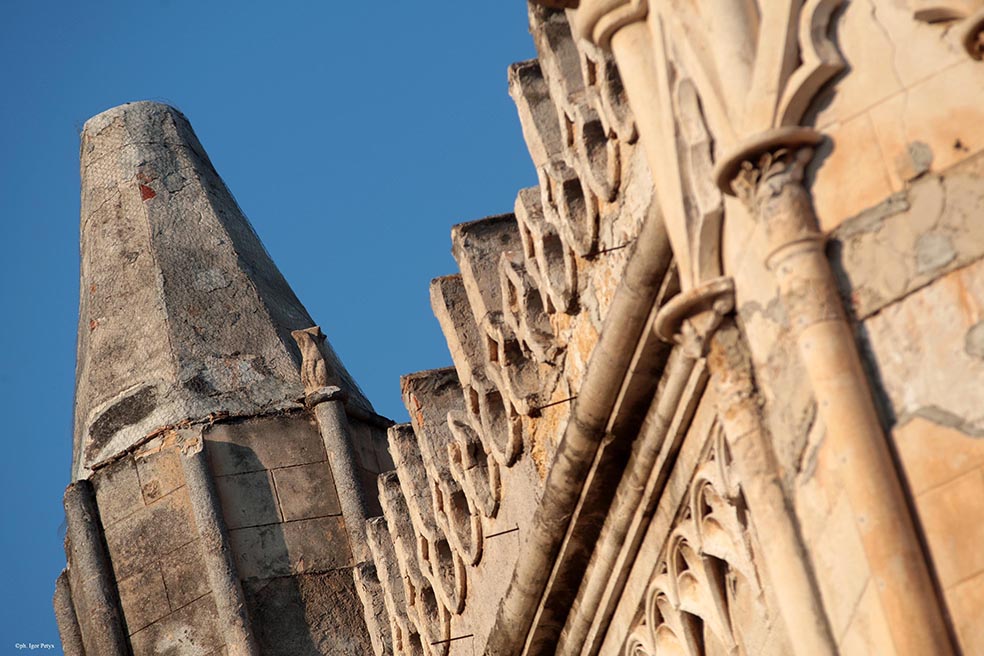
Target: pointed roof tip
x: 139, y: 109
x: 183, y: 312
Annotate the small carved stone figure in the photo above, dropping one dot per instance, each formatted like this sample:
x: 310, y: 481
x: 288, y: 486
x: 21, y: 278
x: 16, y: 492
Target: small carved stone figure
x: 314, y: 371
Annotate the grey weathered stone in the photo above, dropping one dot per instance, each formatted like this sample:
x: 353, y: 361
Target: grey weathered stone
x: 227, y: 591
x: 260, y: 551
x: 248, y: 499
x: 353, y: 497
x: 151, y: 533
x: 183, y: 313
x: 306, y: 491
x: 374, y: 607
x: 143, y: 598
x: 68, y: 622
x: 93, y: 586
x: 317, y: 545
x: 310, y: 615
x: 183, y: 570
x: 194, y: 629
x: 262, y: 443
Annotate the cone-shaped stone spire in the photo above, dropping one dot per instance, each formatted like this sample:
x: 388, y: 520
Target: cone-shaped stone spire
x: 182, y: 311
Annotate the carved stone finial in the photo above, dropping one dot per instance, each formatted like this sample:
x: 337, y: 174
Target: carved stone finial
x: 314, y: 371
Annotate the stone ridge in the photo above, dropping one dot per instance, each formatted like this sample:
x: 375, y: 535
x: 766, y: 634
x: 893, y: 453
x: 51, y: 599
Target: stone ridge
x: 183, y: 314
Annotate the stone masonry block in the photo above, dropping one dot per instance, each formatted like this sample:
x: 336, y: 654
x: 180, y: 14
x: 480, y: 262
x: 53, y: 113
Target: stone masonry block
x: 248, y: 499
x: 143, y: 598
x: 117, y: 491
x: 317, y: 545
x: 310, y: 615
x: 150, y: 533
x: 194, y: 629
x: 953, y: 518
x: 306, y: 491
x: 362, y: 440
x: 260, y: 551
x: 264, y: 443
x: 160, y: 473
x: 184, y: 573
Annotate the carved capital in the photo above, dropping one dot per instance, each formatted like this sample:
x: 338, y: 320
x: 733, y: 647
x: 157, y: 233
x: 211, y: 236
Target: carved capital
x: 690, y: 318
x: 598, y: 20
x: 766, y: 162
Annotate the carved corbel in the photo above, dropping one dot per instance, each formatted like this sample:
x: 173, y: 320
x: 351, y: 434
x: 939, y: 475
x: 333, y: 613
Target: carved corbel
x: 475, y: 469
x: 606, y: 92
x: 549, y: 261
x: 569, y: 205
x: 523, y: 308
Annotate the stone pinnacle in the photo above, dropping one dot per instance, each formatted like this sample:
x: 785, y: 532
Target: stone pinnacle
x: 182, y: 313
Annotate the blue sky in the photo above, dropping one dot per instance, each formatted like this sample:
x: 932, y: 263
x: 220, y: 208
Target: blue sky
x: 353, y: 135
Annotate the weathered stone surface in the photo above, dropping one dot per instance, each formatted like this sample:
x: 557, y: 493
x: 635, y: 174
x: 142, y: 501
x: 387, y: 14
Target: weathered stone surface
x: 159, y: 470
x: 150, y: 534
x: 184, y: 574
x: 310, y: 615
x: 144, y: 598
x: 306, y: 491
x: 193, y: 629
x: 248, y: 499
x: 260, y: 551
x: 911, y: 239
x: 163, y: 240
x: 917, y: 347
x: 118, y: 492
x: 374, y: 608
x: 264, y: 443
x: 317, y: 545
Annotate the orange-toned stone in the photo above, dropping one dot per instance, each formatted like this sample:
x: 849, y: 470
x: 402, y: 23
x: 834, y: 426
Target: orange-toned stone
x: 966, y: 603
x: 953, y: 517
x: 933, y: 454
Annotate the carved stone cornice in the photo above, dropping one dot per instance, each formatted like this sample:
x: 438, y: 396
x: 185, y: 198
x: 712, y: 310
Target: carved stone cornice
x: 598, y: 20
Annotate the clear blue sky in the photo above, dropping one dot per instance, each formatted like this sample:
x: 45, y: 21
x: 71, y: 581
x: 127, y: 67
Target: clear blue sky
x: 353, y: 134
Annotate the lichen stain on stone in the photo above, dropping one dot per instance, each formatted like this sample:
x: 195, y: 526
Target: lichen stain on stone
x: 125, y: 412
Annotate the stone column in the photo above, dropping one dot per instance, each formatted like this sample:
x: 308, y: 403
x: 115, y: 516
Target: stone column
x: 230, y: 602
x: 329, y: 410
x: 98, y: 602
x: 767, y: 174
x: 701, y: 321
x: 68, y: 621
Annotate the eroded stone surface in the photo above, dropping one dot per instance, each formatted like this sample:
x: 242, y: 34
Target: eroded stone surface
x: 163, y: 240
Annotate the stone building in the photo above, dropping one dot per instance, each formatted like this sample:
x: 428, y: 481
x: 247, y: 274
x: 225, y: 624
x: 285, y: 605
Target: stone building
x: 718, y: 382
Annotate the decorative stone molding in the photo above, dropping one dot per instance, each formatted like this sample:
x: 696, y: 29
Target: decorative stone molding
x: 598, y: 20
x: 690, y: 318
x: 706, y: 564
x: 968, y: 15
